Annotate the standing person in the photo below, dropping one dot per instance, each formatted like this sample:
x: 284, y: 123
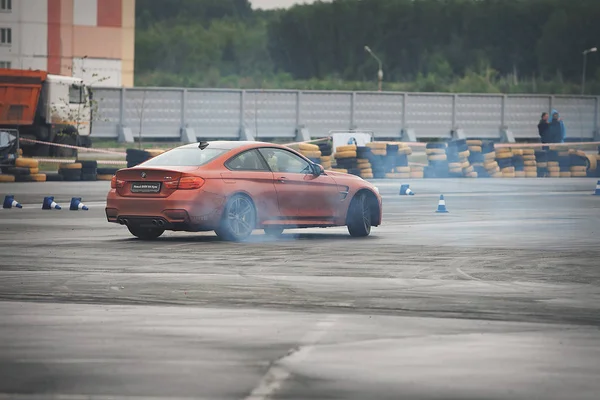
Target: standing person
x: 557, y: 130
x: 544, y: 128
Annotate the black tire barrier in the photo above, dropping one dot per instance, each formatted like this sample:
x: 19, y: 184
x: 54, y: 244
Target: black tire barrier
x: 54, y: 177
x: 107, y: 171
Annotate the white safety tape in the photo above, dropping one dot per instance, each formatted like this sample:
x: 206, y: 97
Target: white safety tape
x: 86, y: 149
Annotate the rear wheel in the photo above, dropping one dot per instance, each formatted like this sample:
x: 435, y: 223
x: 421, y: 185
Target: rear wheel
x: 239, y: 219
x: 273, y: 231
x: 145, y: 233
x: 359, y: 216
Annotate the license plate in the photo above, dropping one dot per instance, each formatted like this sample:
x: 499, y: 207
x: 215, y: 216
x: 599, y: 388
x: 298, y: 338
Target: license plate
x: 145, y: 187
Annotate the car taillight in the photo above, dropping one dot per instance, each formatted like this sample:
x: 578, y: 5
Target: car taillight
x: 185, y: 183
x: 190, y: 182
x: 116, y: 183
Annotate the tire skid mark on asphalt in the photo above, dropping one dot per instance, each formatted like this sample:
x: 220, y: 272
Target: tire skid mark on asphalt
x: 276, y: 375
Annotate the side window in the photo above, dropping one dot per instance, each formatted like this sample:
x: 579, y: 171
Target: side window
x: 285, y: 161
x: 247, y: 161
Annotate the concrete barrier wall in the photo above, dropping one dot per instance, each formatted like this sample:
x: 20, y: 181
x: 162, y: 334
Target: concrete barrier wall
x: 213, y: 113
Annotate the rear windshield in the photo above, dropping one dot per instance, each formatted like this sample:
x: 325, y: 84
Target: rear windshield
x: 187, y: 157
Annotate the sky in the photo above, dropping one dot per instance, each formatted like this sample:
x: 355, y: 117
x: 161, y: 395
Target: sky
x: 271, y: 4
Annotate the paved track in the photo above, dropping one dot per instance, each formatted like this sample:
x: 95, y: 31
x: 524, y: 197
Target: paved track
x: 499, y: 299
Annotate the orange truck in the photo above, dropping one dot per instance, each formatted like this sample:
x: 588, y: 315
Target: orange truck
x: 47, y: 108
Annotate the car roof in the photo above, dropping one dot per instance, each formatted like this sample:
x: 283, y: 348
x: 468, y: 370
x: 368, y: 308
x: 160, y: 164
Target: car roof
x: 232, y: 144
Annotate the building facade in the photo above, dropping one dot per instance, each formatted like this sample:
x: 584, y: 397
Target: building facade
x: 90, y: 39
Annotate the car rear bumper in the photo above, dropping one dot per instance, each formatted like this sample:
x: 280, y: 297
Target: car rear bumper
x: 180, y: 211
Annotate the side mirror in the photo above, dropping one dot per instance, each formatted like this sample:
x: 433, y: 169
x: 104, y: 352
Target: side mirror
x: 318, y: 169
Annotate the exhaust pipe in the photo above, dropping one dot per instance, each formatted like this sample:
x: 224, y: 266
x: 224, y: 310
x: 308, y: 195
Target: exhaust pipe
x: 154, y: 222
x: 161, y: 223
x: 125, y: 221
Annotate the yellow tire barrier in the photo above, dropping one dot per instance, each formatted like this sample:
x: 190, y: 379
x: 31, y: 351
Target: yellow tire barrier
x: 504, y: 155
x: 435, y: 151
x: 403, y: 170
x: 366, y: 176
x: 377, y: 145
x: 345, y: 154
x: 475, y: 149
x: 343, y: 149
x: 33, y: 171
x: 565, y: 174
x: 7, y: 178
x: 392, y: 175
x: 530, y: 163
x: 379, y: 152
x: 70, y: 166
x: 23, y: 162
x: 474, y: 142
x: 38, y: 177
x: 437, y: 157
x: 308, y: 147
x: 105, y: 177
x: 490, y: 156
x: 417, y: 174
x: 311, y: 154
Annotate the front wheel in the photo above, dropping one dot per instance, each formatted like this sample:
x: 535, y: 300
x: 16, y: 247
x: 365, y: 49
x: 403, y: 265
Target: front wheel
x: 239, y: 219
x: 145, y: 233
x: 359, y: 216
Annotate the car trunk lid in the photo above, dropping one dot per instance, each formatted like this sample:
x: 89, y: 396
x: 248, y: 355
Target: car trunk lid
x: 150, y: 182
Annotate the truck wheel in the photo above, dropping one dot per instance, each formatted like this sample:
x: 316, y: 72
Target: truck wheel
x: 66, y: 136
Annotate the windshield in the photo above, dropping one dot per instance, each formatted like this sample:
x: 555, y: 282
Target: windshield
x: 184, y: 157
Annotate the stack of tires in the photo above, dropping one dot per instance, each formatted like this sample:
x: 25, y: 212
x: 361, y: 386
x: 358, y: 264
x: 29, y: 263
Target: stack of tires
x: 541, y: 161
x: 476, y: 158
x: 504, y: 157
x: 70, y: 172
x: 458, y: 154
x: 579, y: 164
x: 326, y: 154
x: 518, y: 163
x: 135, y: 157
x: 530, y: 163
x: 24, y: 170
x: 437, y: 159
x: 310, y: 151
x: 553, y: 164
x: 89, y: 169
x: 564, y: 163
x: 489, y: 160
x: 106, y: 174
x: 346, y: 159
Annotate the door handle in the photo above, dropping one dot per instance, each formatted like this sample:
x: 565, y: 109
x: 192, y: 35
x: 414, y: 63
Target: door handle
x: 282, y: 179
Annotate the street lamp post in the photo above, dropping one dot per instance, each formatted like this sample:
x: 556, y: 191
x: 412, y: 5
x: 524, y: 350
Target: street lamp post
x: 380, y: 72
x: 585, y: 53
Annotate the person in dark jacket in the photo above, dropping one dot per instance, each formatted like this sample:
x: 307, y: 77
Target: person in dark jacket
x: 555, y: 132
x: 557, y: 129
x: 544, y: 128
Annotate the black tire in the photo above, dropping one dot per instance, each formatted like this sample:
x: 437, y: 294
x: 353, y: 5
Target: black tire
x: 145, y: 233
x: 239, y: 219
x: 273, y: 231
x: 359, y: 216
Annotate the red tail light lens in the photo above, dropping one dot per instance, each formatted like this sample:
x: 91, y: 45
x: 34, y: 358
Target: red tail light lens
x: 116, y: 183
x: 185, y: 183
x: 190, y: 182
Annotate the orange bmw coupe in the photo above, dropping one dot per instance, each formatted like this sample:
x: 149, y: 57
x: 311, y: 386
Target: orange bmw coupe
x: 236, y: 187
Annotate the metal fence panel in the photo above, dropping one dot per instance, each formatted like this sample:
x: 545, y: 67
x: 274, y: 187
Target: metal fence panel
x: 158, y: 111
x: 479, y: 116
x: 214, y: 114
x: 107, y: 112
x: 430, y: 115
x: 578, y: 115
x: 380, y: 113
x: 322, y: 112
x: 523, y: 114
x: 271, y: 114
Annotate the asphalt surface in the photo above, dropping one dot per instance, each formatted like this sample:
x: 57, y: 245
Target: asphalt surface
x: 498, y: 299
